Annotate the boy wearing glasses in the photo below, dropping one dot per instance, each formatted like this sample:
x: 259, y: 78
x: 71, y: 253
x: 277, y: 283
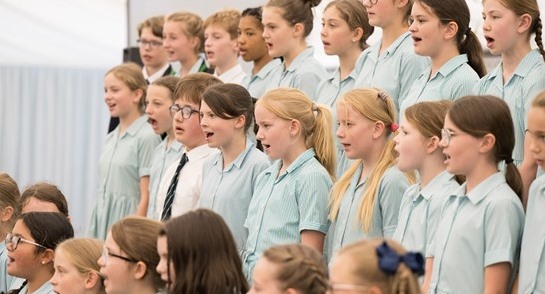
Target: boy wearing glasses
x: 152, y: 53
x: 180, y: 186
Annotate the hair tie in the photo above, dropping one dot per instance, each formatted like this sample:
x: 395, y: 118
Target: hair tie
x: 394, y: 127
x: 314, y: 107
x: 468, y: 30
x: 383, y: 95
x: 508, y: 160
x: 388, y: 260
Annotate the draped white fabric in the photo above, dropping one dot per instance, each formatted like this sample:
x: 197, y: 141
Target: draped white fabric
x: 52, y: 126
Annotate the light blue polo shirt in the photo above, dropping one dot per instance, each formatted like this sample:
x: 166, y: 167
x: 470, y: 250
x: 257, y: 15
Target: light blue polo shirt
x: 532, y: 253
x: 258, y: 84
x: 304, y: 73
x: 476, y: 230
x: 518, y: 92
x: 328, y: 92
x: 456, y: 78
x: 228, y: 191
x: 161, y: 159
x: 347, y: 228
x: 393, y: 71
x: 285, y: 205
x: 5, y: 278
x: 420, y: 212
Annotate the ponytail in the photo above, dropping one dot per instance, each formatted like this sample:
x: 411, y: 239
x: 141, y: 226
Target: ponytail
x: 513, y: 178
x: 404, y: 282
x: 472, y: 47
x: 322, y: 139
x: 538, y: 38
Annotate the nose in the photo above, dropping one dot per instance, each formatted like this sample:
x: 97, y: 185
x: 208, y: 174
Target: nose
x: 340, y: 132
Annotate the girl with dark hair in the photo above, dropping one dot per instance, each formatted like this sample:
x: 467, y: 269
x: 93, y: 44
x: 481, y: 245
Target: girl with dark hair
x: 198, y: 255
x: 10, y: 208
x: 31, y: 249
x: 507, y: 28
x: 229, y: 176
x: 441, y: 31
x: 252, y: 47
x: 479, y: 233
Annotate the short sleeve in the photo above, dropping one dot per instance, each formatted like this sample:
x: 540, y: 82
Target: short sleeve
x: 392, y: 188
x: 146, y: 146
x: 313, y: 198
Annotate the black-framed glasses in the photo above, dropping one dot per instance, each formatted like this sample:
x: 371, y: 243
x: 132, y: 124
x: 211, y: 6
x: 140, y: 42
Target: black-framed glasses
x: 14, y: 240
x: 186, y: 111
x: 106, y: 254
x: 151, y: 43
x: 332, y: 287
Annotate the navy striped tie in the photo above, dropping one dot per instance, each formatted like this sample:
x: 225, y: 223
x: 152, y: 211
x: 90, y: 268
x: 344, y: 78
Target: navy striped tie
x: 167, y: 207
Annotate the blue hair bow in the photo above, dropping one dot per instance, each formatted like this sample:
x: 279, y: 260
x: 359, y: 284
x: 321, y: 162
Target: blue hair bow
x: 388, y: 260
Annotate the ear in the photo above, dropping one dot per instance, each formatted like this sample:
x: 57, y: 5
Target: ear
x: 378, y: 129
x: 451, y: 30
x: 195, y: 42
x: 432, y: 144
x: 401, y: 3
x: 91, y: 280
x: 295, y: 127
x: 137, y: 96
x: 240, y: 121
x: 298, y: 30
x: 525, y: 23
x: 357, y: 34
x: 488, y: 142
x: 47, y: 256
x: 6, y: 213
x: 140, y: 270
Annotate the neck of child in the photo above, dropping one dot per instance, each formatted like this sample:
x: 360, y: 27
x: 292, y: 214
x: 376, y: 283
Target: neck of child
x: 170, y: 137
x: 292, y: 54
x: 151, y: 70
x: 221, y: 68
x: 370, y: 160
x: 188, y: 63
x: 260, y: 62
x: 512, y: 58
x: 431, y: 167
x: 481, y: 172
x: 43, y: 276
x: 390, y: 34
x: 126, y: 121
x: 347, y: 60
x: 234, y: 148
x: 296, y: 149
x: 143, y: 287
x: 444, y: 55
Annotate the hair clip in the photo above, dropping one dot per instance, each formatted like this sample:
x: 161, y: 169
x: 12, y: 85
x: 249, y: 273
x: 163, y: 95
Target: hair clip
x: 382, y: 95
x: 394, y: 127
x: 388, y: 260
x: 468, y: 30
x: 314, y: 107
x: 508, y: 160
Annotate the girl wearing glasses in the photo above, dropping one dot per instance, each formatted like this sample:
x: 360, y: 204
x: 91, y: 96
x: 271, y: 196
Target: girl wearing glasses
x: 478, y: 236
x: 159, y: 98
x: 365, y: 200
x: 418, y: 146
x: 507, y: 28
x: 31, y: 249
x: 10, y: 208
x: 129, y: 257
x: 391, y: 63
x: 345, y: 30
x: 292, y: 268
x: 441, y: 31
x: 362, y: 267
x: 229, y: 176
x: 287, y: 23
x: 125, y: 162
x: 76, y: 267
x: 532, y: 263
x: 198, y: 255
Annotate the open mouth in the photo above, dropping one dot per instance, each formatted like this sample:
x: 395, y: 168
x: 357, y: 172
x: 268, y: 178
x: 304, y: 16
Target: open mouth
x: 152, y: 122
x: 489, y: 41
x: 208, y: 135
x: 416, y: 39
